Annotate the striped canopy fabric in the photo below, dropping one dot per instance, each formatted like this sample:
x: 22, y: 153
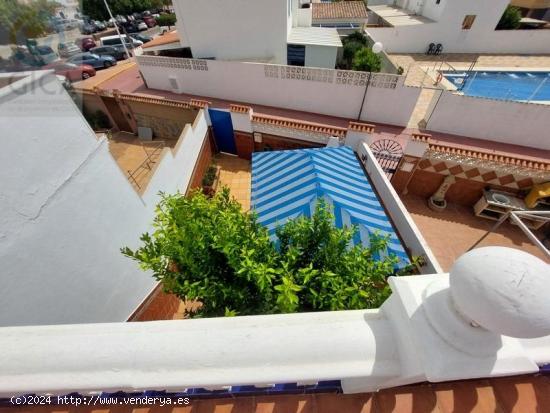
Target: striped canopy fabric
x: 287, y: 184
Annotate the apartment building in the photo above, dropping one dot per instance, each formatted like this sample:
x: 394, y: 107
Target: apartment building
x: 268, y: 31
x: 468, y: 26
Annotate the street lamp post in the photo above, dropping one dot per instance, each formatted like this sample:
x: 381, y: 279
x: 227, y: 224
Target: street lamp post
x: 116, y: 28
x: 377, y: 48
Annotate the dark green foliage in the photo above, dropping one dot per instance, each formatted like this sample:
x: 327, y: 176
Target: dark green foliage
x: 366, y: 60
x: 510, y: 19
x: 357, y: 54
x: 97, y: 120
x: 209, y: 176
x: 166, y: 20
x: 19, y: 21
x: 207, y: 249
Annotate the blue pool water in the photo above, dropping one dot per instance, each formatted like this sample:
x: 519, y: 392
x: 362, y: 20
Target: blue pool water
x: 533, y: 86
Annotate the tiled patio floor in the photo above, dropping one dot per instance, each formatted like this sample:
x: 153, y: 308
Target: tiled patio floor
x: 235, y: 174
x: 131, y: 155
x: 450, y: 233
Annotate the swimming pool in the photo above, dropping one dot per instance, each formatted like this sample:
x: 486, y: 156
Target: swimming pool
x: 523, y: 86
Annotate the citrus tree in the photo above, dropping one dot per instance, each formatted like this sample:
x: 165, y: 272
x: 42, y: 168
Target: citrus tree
x: 208, y: 249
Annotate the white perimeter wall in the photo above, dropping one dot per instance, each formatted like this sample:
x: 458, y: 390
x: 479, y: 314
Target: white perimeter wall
x: 234, y: 29
x: 481, y: 38
x: 400, y: 217
x: 517, y: 123
x: 66, y: 209
x: 321, y: 56
x: 313, y: 90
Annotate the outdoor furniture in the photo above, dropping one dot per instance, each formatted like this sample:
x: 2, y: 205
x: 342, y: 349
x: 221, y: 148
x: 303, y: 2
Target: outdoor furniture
x: 431, y: 49
x: 438, y: 49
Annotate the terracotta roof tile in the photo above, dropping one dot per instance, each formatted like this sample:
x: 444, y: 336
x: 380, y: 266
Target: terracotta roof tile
x: 170, y: 37
x: 487, y: 156
x: 521, y: 394
x: 301, y: 125
x: 339, y: 10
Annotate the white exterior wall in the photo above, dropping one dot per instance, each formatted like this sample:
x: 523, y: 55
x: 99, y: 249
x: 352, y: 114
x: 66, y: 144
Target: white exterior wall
x: 511, y: 122
x: 481, y: 38
x: 236, y: 29
x: 66, y: 209
x: 253, y: 83
x: 433, y: 11
x: 367, y: 350
x: 400, y: 217
x: 321, y: 56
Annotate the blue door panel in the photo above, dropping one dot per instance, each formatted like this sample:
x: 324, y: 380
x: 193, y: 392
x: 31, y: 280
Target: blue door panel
x: 223, y: 130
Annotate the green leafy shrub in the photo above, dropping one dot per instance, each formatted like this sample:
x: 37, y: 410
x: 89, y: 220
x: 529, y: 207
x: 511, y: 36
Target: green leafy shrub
x: 207, y: 249
x: 366, y: 60
x: 166, y: 20
x: 510, y: 19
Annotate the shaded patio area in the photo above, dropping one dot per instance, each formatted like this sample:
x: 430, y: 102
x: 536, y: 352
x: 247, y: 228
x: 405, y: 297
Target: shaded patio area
x: 452, y: 232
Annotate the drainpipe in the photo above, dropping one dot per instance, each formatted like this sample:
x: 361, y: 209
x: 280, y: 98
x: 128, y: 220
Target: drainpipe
x: 364, y: 95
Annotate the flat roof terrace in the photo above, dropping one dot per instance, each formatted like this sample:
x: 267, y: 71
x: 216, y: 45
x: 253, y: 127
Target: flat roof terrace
x: 396, y: 16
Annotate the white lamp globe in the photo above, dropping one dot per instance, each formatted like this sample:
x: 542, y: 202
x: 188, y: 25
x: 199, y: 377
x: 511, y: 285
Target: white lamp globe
x: 504, y: 290
x: 377, y: 47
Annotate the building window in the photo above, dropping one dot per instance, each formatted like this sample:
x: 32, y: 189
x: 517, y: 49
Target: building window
x: 468, y: 21
x: 295, y: 55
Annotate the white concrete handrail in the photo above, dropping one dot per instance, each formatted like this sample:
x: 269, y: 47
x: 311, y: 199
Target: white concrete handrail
x: 417, y: 335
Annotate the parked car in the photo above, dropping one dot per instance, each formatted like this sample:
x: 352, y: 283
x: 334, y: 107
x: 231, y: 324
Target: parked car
x: 99, y: 25
x: 85, y: 43
x: 150, y: 20
x: 88, y: 28
x: 128, y: 27
x: 71, y: 71
x: 45, y: 54
x: 66, y: 49
x: 96, y: 61
x: 111, y: 22
x: 141, y: 25
x: 61, y: 25
x: 141, y: 37
x: 118, y: 54
x: 115, y: 41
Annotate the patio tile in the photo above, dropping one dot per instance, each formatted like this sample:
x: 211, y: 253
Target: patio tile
x: 235, y: 174
x: 452, y: 232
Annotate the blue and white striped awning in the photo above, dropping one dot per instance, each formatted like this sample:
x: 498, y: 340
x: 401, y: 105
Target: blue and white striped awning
x: 287, y: 184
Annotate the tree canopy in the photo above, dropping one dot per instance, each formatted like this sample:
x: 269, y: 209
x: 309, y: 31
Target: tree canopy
x: 357, y: 54
x: 19, y: 22
x: 208, y: 249
x: 366, y: 60
x: 510, y: 19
